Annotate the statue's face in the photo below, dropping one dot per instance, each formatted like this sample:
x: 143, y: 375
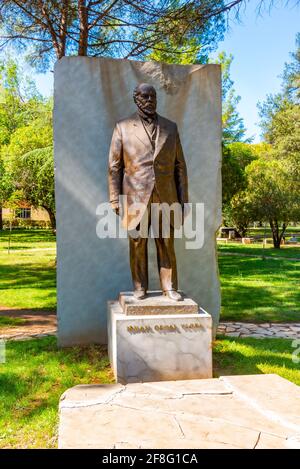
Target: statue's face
x: 145, y: 99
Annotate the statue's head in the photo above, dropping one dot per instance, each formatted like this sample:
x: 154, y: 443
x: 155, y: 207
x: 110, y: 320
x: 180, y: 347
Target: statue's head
x: 144, y: 96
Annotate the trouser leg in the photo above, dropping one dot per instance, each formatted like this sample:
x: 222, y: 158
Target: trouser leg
x: 138, y: 252
x: 166, y: 259
x: 166, y: 262
x: 139, y: 262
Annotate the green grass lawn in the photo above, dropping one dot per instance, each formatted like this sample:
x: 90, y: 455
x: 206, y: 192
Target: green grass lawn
x: 7, y: 321
x: 259, y: 290
x: 27, y: 279
x: 27, y: 239
x: 253, y: 289
x: 249, y: 356
x: 257, y: 250
x: 259, y: 231
x: 36, y: 373
x: 32, y: 380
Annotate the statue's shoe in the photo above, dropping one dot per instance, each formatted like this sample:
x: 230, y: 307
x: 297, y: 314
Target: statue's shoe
x: 173, y: 295
x: 139, y: 294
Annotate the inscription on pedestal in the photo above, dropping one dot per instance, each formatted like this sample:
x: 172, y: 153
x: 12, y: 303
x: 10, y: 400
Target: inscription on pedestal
x: 164, y: 328
x: 159, y: 347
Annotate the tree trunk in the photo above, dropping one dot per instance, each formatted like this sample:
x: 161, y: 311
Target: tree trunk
x: 276, y: 234
x: 83, y: 27
x: 1, y: 219
x: 284, y: 227
x: 50, y: 26
x: 242, y: 230
x: 52, y: 220
x: 61, y: 52
x: 63, y: 28
x: 52, y: 217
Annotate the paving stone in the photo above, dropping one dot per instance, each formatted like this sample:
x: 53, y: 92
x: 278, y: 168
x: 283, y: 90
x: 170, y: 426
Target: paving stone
x: 261, y: 330
x: 216, y: 431
x: 264, y: 332
x: 282, y: 335
x: 295, y: 328
x: 271, y: 442
x: 230, y: 412
x: 269, y: 393
x: 258, y: 336
x: 239, y: 324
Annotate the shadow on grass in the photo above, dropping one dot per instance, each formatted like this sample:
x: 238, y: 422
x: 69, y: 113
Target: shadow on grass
x: 27, y: 275
x: 248, y: 356
x: 28, y: 285
x: 16, y: 313
x: 28, y: 236
x: 259, y: 290
x: 256, y: 266
x: 287, y: 252
x: 11, y: 321
x: 25, y: 321
x: 36, y: 373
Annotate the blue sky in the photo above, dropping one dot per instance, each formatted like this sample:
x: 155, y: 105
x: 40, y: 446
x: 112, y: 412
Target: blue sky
x: 260, y: 46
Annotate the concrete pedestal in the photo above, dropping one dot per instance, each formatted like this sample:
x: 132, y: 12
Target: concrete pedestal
x: 158, y: 347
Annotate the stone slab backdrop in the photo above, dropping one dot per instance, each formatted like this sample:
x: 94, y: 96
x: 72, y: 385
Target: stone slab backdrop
x: 90, y: 95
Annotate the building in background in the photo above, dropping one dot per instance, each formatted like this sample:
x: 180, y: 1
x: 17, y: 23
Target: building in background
x: 26, y: 214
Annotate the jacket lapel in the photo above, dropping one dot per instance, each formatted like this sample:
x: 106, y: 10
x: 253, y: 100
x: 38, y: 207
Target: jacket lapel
x: 140, y: 133
x: 139, y: 130
x: 162, y: 134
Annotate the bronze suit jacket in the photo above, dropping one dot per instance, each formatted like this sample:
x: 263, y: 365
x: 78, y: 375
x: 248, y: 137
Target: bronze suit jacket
x: 135, y: 167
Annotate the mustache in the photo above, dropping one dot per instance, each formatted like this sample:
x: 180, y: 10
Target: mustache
x: 146, y: 102
x: 148, y: 105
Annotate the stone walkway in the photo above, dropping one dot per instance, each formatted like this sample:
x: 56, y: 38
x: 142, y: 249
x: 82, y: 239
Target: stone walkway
x: 44, y: 323
x: 36, y: 324
x: 261, y: 331
x: 249, y: 412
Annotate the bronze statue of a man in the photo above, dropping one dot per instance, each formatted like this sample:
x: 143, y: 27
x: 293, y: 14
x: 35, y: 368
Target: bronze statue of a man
x: 146, y: 164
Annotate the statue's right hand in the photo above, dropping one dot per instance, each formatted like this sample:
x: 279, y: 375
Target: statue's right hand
x: 116, y: 209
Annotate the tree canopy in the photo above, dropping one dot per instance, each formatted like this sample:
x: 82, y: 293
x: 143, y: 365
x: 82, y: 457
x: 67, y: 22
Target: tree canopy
x: 291, y: 75
x: 52, y: 29
x: 34, y: 177
x: 25, y: 125
x: 270, y: 195
x: 270, y: 187
x: 234, y: 129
